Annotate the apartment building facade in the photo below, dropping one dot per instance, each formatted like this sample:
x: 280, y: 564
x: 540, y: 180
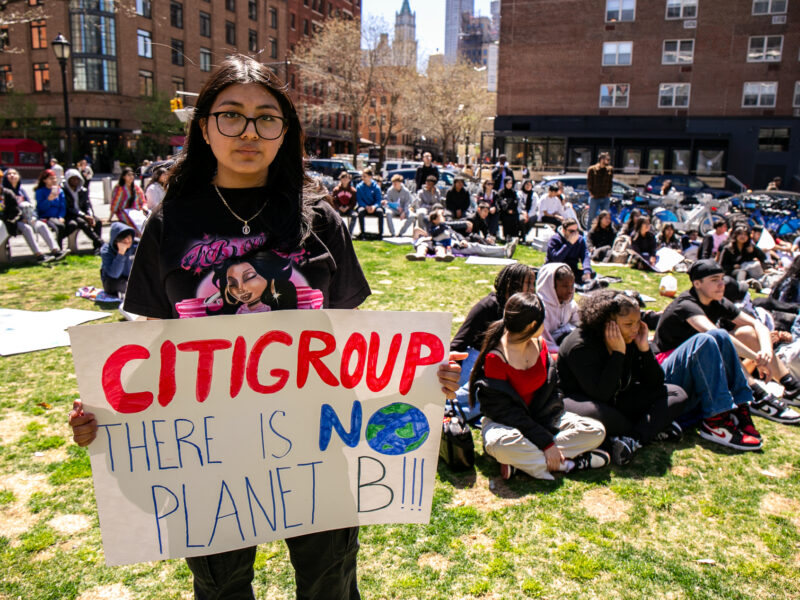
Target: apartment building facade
x: 707, y: 87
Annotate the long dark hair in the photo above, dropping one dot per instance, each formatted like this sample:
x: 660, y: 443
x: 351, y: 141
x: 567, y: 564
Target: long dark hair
x: 663, y: 234
x: 599, y: 218
x: 121, y: 182
x: 792, y: 273
x: 289, y: 190
x: 640, y: 222
x: 7, y: 182
x: 156, y: 175
x: 511, y: 279
x: 275, y: 269
x: 521, y: 311
x: 733, y: 243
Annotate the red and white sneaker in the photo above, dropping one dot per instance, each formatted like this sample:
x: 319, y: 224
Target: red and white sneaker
x: 722, y: 430
x: 743, y: 420
x: 507, y: 471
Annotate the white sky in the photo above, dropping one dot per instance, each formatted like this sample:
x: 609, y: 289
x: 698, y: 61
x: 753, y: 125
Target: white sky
x: 430, y: 20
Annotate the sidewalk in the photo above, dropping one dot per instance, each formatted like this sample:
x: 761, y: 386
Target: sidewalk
x: 20, y: 250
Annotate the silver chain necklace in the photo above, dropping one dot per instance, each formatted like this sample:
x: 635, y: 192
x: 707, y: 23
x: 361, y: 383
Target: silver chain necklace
x: 245, y: 226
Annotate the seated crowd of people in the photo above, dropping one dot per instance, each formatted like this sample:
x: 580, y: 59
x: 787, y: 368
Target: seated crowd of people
x: 559, y: 385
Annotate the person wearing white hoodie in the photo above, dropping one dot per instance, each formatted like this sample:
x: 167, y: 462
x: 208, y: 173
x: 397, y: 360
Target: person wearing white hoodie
x: 555, y: 285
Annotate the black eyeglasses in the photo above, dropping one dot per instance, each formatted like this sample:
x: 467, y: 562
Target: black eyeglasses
x: 234, y: 124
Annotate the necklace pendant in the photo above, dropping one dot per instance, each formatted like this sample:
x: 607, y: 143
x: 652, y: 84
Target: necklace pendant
x: 245, y: 229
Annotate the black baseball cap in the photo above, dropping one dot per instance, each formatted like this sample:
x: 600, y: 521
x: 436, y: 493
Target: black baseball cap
x: 704, y: 268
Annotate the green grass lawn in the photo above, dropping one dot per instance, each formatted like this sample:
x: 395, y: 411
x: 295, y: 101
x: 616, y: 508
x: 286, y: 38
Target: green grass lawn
x: 685, y: 520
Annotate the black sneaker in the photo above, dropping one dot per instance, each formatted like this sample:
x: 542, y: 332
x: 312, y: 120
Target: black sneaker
x: 672, y: 433
x: 791, y: 390
x: 773, y: 409
x: 622, y: 449
x: 593, y: 459
x: 722, y: 430
x: 44, y: 258
x: 59, y: 254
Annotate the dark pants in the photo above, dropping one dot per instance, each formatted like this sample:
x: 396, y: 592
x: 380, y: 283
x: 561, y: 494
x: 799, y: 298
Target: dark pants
x: 324, y: 565
x: 93, y: 233
x: 493, y: 223
x: 600, y: 254
x: 378, y: 212
x: 550, y: 221
x: 62, y: 228
x: 639, y: 412
x: 783, y: 313
x: 115, y: 286
x: 510, y: 225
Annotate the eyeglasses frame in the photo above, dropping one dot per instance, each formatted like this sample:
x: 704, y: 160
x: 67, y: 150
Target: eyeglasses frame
x: 248, y: 120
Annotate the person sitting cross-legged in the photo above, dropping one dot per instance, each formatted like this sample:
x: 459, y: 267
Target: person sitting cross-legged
x: 514, y: 379
x: 568, y: 246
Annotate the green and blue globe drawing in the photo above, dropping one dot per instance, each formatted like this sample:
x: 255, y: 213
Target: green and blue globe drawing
x: 397, y: 428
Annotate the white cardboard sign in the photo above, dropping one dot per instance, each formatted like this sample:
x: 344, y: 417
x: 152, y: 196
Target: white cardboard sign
x: 223, y: 432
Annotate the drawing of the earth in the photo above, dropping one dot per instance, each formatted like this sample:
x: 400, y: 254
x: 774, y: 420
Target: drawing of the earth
x: 397, y: 429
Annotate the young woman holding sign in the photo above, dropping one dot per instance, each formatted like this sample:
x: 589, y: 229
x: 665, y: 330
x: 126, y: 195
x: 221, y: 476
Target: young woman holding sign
x: 239, y: 188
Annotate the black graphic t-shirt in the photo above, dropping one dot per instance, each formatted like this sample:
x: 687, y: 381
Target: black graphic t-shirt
x: 201, y: 264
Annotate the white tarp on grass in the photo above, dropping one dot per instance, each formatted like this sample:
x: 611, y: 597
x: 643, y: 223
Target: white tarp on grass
x: 28, y: 331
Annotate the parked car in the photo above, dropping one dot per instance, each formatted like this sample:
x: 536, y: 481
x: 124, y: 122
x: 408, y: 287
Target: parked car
x: 395, y: 164
x: 619, y: 190
x: 445, y: 182
x: 331, y: 167
x: 690, y: 185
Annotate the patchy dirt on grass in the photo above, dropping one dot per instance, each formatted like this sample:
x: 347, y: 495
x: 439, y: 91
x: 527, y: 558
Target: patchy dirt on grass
x: 486, y: 494
x: 52, y: 455
x: 476, y: 540
x: 15, y: 518
x: 780, y: 506
x: 681, y: 471
x: 605, y: 506
x: 435, y: 561
x: 13, y: 424
x: 70, y: 524
x: 115, y: 591
x: 783, y: 471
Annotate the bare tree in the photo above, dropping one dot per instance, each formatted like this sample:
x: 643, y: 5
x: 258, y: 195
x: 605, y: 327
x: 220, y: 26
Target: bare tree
x: 388, y: 110
x: 340, y: 62
x: 450, y: 102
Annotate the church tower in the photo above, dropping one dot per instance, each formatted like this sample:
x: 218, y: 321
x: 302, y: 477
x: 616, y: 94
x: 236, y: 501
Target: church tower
x: 404, y: 46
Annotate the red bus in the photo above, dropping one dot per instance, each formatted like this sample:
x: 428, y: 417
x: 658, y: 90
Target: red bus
x: 26, y: 156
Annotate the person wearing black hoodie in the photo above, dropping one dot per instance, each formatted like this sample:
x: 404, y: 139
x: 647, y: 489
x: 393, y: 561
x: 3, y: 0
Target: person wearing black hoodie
x: 117, y: 258
x: 608, y: 372
x: 79, y: 207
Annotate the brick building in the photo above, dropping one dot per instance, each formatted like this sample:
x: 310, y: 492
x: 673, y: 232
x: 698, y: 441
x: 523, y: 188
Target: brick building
x: 124, y: 52
x: 708, y: 87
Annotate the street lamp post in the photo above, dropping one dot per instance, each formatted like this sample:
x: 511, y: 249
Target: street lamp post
x: 61, y: 48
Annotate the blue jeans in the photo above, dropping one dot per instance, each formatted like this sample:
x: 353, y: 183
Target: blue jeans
x: 324, y: 568
x: 595, y: 206
x: 707, y: 368
x: 462, y: 394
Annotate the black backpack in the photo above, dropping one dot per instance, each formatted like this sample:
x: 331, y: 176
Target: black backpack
x: 456, y: 447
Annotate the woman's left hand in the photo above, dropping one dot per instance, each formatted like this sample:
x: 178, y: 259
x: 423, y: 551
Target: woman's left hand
x: 450, y: 373
x: 641, y: 337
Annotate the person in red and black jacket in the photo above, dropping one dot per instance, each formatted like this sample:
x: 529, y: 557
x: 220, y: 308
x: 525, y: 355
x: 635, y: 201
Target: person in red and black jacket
x: 343, y: 199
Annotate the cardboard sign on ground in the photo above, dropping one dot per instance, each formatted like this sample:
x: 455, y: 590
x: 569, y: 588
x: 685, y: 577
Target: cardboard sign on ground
x: 223, y: 432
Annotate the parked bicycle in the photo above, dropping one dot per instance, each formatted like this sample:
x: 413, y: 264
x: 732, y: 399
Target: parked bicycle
x: 700, y: 216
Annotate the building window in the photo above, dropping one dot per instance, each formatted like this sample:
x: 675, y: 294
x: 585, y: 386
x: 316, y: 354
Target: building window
x: 273, y: 18
x: 796, y: 99
x: 305, y: 26
x: 178, y: 84
x: 681, y: 9
x: 678, y: 52
x: 176, y: 14
x: 769, y: 7
x: 759, y: 93
x: 620, y: 10
x: 176, y: 47
x: 673, y: 95
x: 205, y: 59
x: 614, y: 95
x: 143, y: 8
x: 291, y: 21
x: 617, y: 53
x: 273, y: 48
x: 38, y: 34
x: 205, y: 24
x: 230, y: 33
x: 765, y: 48
x: 252, y: 10
x: 94, y: 46
x: 230, y: 5
x: 773, y: 140
x: 144, y: 43
x: 41, y: 77
x: 145, y: 83
x: 252, y: 40
x: 6, y: 80
x: 4, y: 43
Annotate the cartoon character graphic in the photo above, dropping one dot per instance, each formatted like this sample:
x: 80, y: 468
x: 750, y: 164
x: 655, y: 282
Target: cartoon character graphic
x: 256, y: 282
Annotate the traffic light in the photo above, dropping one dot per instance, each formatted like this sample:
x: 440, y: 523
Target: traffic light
x: 175, y: 104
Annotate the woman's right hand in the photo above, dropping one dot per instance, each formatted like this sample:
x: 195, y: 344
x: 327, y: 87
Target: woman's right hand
x: 84, y: 425
x: 554, y: 458
x: 614, y: 339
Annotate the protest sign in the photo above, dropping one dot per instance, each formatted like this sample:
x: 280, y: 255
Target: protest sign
x: 223, y: 432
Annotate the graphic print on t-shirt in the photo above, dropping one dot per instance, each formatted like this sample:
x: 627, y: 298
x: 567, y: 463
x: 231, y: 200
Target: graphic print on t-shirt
x: 239, y: 276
